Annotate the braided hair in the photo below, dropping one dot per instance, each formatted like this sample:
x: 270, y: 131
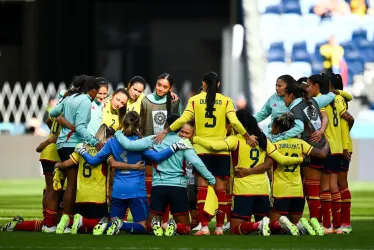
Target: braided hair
x: 170, y: 79
x: 82, y: 84
x: 251, y: 126
x: 211, y: 79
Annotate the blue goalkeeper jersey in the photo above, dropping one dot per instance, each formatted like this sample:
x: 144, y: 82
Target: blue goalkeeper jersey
x: 127, y: 183
x: 169, y: 172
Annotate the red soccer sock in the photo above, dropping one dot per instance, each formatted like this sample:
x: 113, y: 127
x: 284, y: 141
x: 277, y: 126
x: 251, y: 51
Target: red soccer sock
x: 222, y: 207
x: 228, y: 207
x: 346, y: 207
x: 246, y: 227
x: 88, y: 225
x: 336, y: 207
x: 183, y: 229
x: 201, y: 197
x: 50, y: 217
x: 32, y: 225
x: 165, y: 218
x: 325, y: 197
x: 126, y: 215
x: 314, y: 203
x: 275, y: 227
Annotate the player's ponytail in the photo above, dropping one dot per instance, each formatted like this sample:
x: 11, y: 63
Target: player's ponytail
x: 130, y: 124
x: 211, y: 80
x: 322, y: 80
x: 251, y: 126
x: 170, y: 79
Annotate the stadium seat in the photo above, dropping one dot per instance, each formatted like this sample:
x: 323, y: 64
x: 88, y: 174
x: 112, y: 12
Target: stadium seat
x: 290, y: 20
x: 263, y: 4
x: 274, y: 9
x: 291, y: 7
x: 276, y: 55
x: 277, y: 46
x: 356, y: 66
x: 299, y: 45
x: 317, y: 67
x: 301, y: 55
x: 359, y: 35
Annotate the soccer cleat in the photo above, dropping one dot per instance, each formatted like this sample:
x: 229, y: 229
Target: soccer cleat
x: 346, y: 229
x: 12, y: 224
x: 318, y: 229
x: 264, y: 226
x: 49, y: 229
x: 218, y: 231
x: 338, y: 231
x: 328, y: 230
x: 226, y: 226
x: 67, y: 230
x: 64, y: 222
x: 101, y: 226
x: 115, y: 227
x: 286, y: 224
x: 77, y: 223
x: 304, y: 227
x: 202, y: 232
x: 156, y: 227
x: 197, y: 228
x: 172, y: 227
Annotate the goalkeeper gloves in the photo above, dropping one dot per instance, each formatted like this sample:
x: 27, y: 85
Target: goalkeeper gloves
x: 181, y: 144
x: 80, y: 150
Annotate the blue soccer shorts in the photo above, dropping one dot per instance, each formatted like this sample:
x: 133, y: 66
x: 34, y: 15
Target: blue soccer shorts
x: 138, y: 208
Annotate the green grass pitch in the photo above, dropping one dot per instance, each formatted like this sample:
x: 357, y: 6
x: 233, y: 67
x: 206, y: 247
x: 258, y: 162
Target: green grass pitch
x: 23, y: 197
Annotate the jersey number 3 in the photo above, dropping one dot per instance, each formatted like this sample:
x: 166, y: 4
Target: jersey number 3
x: 210, y: 116
x: 87, y: 170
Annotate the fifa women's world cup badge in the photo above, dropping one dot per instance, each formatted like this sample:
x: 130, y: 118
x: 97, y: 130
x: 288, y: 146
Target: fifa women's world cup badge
x: 159, y: 119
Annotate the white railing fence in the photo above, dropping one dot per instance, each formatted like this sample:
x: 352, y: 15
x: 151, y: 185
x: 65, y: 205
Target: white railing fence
x: 20, y: 103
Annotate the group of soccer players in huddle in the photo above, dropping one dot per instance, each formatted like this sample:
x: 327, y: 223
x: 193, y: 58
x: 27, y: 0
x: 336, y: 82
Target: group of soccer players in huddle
x: 107, y: 155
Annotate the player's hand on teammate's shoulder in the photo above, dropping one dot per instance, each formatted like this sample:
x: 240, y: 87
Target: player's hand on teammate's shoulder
x: 252, y: 141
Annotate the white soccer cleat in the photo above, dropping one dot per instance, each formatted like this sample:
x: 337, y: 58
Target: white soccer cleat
x: 67, y: 230
x: 305, y: 228
x: 226, y: 226
x: 197, y: 228
x: 286, y: 224
x: 49, y: 229
x: 264, y: 226
x: 9, y: 227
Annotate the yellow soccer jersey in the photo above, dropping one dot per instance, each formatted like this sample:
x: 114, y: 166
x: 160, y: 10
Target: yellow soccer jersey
x: 110, y: 117
x: 91, y: 180
x: 211, y: 126
x: 287, y: 179
x: 135, y: 105
x: 333, y: 132
x: 49, y: 153
x: 346, y: 138
x: 245, y: 156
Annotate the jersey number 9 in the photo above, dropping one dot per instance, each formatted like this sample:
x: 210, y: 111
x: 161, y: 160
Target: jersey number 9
x: 87, y: 170
x: 210, y: 116
x: 254, y: 155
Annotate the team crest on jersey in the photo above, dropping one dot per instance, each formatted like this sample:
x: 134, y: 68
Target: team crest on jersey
x: 313, y: 117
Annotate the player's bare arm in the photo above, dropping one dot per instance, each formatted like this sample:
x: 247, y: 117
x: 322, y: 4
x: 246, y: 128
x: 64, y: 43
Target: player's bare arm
x: 63, y: 122
x: 262, y: 168
x: 121, y: 165
x: 349, y: 118
x: 45, y: 143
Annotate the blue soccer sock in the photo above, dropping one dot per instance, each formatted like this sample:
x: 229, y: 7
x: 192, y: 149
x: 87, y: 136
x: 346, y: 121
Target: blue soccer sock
x: 133, y: 228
